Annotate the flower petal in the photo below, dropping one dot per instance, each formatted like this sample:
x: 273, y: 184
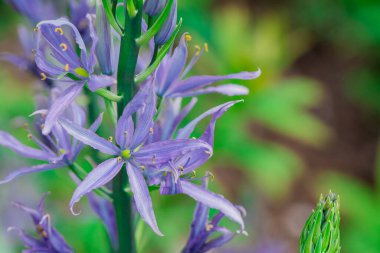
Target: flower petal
x: 165, y: 151
x: 32, y: 169
x: 142, y: 197
x: 88, y: 137
x: 216, y: 112
x: 97, y: 82
x: 227, y: 89
x: 9, y: 141
x: 99, y: 176
x: 225, y: 237
x: 197, y: 82
x: 213, y: 200
x: 60, y: 105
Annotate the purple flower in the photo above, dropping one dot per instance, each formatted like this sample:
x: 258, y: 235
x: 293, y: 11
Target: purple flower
x: 57, y: 57
x: 171, y: 75
x: 154, y: 7
x: 49, y: 239
x: 54, y: 148
x: 132, y: 151
x: 174, y: 177
x: 202, y: 228
x: 168, y: 27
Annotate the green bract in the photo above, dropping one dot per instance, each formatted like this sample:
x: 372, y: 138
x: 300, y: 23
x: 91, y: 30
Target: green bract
x: 321, y: 231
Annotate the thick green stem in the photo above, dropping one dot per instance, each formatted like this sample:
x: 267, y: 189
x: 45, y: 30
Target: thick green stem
x: 129, y: 51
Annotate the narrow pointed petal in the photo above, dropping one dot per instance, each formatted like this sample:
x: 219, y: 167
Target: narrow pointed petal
x: 165, y: 151
x: 98, y: 177
x: 216, y: 113
x: 60, y: 105
x: 77, y: 147
x: 88, y: 137
x: 9, y: 141
x: 227, y: 89
x: 145, y: 115
x: 125, y: 129
x: 96, y: 82
x: 201, y: 214
x: 225, y: 237
x: 142, y: 197
x: 197, y: 82
x: 29, y: 241
x: 185, y: 111
x: 213, y: 200
x: 32, y: 169
x: 174, y: 66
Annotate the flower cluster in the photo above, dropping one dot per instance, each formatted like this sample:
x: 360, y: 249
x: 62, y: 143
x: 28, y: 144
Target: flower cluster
x: 75, y: 54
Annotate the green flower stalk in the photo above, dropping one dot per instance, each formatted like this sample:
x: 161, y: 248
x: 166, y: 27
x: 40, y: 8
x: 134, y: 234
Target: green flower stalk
x: 321, y: 231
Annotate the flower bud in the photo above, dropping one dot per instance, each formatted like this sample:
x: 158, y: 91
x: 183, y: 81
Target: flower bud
x: 154, y: 7
x: 321, y: 232
x: 167, y: 29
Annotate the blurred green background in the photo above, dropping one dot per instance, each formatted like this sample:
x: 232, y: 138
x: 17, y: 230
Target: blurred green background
x: 310, y: 124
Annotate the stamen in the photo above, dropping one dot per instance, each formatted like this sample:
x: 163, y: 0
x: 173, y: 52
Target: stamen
x: 119, y: 159
x: 181, y: 168
x: 209, y: 226
x: 35, y: 29
x: 42, y: 126
x: 206, y: 47
x: 43, y: 76
x: 188, y: 37
x: 142, y: 167
x: 58, y: 30
x: 67, y: 67
x: 198, y: 48
x: 194, y: 174
x: 212, y: 176
x: 63, y: 152
x: 151, y: 130
x: 30, y: 136
x: 110, y: 139
x: 126, y: 133
x: 41, y: 231
x: 34, y: 51
x: 63, y: 46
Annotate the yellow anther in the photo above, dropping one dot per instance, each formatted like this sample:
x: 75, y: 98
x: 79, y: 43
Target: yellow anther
x: 209, y: 226
x: 58, y: 30
x: 110, y: 139
x: 119, y: 159
x: 35, y: 29
x: 142, y: 167
x: 194, y: 174
x: 34, y: 51
x: 30, y: 136
x: 206, y: 47
x: 42, y: 126
x: 181, y: 168
x: 43, y: 76
x: 67, y: 67
x: 43, y: 115
x: 198, y: 48
x: 151, y: 130
x: 41, y: 231
x: 188, y: 37
x: 212, y: 177
x: 63, y: 152
x: 63, y: 46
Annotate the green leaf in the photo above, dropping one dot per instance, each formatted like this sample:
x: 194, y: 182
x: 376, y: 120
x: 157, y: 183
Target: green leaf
x: 160, y: 56
x: 153, y: 30
x: 111, y: 19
